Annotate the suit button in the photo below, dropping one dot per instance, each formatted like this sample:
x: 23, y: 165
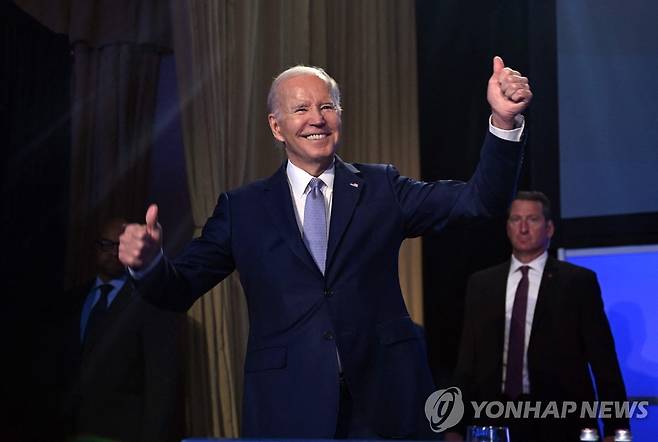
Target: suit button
x: 328, y: 335
x: 328, y: 293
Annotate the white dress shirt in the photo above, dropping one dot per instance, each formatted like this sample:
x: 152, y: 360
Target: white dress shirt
x: 534, y: 280
x: 509, y: 134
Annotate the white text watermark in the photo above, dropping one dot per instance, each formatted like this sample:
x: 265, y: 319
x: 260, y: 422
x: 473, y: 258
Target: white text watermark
x: 445, y: 409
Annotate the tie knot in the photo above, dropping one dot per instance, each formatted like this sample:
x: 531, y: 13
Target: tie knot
x: 105, y: 290
x: 315, y: 184
x: 524, y: 270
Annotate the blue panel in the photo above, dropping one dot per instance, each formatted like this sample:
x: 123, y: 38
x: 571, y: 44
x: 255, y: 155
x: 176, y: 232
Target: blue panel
x: 646, y: 430
x: 629, y: 284
x: 608, y: 103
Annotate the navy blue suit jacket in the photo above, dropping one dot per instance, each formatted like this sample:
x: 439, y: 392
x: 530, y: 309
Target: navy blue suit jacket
x: 298, y: 317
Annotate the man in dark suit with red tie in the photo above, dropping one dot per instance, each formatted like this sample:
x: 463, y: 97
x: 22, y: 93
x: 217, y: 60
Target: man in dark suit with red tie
x: 332, y: 351
x: 534, y: 327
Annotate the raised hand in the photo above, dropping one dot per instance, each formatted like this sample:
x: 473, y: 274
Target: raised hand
x: 140, y: 243
x: 508, y: 94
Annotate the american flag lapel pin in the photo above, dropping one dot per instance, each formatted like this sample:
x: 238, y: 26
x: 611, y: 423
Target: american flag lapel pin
x: 354, y: 185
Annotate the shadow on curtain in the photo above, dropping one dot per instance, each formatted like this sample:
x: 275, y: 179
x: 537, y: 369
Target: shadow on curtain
x: 115, y: 47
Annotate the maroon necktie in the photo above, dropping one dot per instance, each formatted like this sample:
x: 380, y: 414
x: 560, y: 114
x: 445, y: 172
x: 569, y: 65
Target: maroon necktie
x: 516, y: 345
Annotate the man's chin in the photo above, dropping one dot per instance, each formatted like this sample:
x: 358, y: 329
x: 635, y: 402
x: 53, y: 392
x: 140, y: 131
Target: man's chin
x: 319, y: 158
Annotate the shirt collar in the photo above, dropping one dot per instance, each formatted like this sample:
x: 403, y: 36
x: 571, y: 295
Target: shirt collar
x: 299, y: 178
x: 536, y: 264
x: 115, y: 283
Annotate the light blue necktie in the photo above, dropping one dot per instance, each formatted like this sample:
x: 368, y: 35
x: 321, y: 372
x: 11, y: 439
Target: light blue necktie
x: 315, y: 223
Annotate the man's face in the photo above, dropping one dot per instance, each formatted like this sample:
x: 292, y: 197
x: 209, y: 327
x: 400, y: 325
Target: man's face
x: 527, y: 229
x: 306, y: 121
x: 107, y: 250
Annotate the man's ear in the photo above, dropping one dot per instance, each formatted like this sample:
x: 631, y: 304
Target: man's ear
x: 274, y: 126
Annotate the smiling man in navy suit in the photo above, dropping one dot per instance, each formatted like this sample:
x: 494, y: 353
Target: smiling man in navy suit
x: 332, y: 351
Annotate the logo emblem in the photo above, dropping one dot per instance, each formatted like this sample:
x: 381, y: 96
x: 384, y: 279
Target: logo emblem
x: 444, y: 409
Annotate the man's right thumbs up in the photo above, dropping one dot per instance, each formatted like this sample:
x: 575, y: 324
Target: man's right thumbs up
x: 152, y: 224
x: 498, y: 64
x: 508, y: 93
x: 141, y: 243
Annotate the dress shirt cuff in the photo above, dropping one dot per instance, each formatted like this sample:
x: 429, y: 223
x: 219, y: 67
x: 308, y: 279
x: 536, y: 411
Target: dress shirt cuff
x: 512, y: 134
x: 139, y: 274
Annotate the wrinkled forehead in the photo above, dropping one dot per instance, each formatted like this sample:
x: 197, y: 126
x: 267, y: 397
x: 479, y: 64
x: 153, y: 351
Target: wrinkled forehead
x: 304, y: 87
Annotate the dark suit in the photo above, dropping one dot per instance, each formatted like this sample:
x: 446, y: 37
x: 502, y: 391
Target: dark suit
x: 570, y: 333
x: 125, y: 386
x: 299, y: 316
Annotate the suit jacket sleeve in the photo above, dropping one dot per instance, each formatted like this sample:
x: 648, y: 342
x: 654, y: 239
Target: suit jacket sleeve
x: 204, y: 263
x: 464, y: 374
x: 430, y: 207
x: 600, y: 350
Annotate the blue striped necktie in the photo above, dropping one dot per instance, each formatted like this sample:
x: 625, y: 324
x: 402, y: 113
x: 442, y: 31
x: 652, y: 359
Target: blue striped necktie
x: 315, y: 223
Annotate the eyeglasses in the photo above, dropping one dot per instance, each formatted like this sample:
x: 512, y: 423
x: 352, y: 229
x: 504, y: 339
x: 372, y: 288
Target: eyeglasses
x: 107, y: 245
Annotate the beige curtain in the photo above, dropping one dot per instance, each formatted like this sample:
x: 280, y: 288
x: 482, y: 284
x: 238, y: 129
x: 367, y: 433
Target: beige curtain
x: 101, y: 22
x: 369, y: 47
x: 227, y: 53
x: 216, y: 94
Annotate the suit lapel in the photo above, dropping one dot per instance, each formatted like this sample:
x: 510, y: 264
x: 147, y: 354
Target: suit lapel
x: 122, y: 299
x: 547, y: 292
x: 73, y: 323
x: 279, y: 204
x: 347, y: 189
x: 498, y: 333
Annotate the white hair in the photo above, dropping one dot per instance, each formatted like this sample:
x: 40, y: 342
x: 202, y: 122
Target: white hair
x: 296, y: 71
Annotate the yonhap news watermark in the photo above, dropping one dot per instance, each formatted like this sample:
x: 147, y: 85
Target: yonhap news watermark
x: 445, y: 408
x: 560, y: 410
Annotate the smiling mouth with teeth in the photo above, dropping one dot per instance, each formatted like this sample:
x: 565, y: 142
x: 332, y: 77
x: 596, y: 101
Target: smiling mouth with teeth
x: 315, y: 136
